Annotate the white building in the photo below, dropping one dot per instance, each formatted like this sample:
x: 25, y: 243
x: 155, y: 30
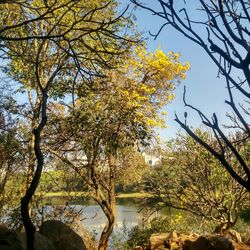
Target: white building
x: 151, y: 159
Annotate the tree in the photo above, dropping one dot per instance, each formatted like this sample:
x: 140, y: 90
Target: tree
x: 191, y: 179
x: 119, y: 114
x: 226, y: 42
x: 11, y: 154
x: 51, y: 46
x: 130, y: 175
x: 18, y: 17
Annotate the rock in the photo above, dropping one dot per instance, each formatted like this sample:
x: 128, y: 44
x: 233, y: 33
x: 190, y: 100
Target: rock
x: 62, y: 236
x: 157, y: 240
x: 138, y: 248
x: 86, y: 236
x: 176, y: 241
x: 41, y: 242
x: 214, y: 242
x: 233, y: 235
x: 240, y: 246
x: 171, y: 241
x: 9, y: 239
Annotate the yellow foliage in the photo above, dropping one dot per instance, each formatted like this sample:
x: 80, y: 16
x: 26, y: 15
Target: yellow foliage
x: 146, y: 82
x: 140, y: 86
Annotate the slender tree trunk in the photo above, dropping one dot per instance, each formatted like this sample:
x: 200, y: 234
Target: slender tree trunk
x: 32, y: 161
x: 108, y: 229
x: 103, y: 242
x: 28, y: 224
x: 110, y: 212
x: 31, y: 168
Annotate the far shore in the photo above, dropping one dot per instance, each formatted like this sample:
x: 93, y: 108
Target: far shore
x: 85, y: 194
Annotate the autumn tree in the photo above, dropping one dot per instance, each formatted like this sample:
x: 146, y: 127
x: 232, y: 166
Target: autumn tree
x: 51, y: 46
x: 191, y: 179
x: 226, y: 41
x: 119, y: 115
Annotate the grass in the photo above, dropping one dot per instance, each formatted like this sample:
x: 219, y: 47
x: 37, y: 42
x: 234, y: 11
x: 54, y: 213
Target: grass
x: 79, y: 194
x: 132, y: 195
x: 63, y: 194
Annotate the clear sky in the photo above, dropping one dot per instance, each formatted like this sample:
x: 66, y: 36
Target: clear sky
x: 204, y: 89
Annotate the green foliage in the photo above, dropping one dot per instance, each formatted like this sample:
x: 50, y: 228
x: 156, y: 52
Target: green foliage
x: 118, y: 240
x: 133, y: 168
x: 11, y: 158
x: 47, y: 45
x: 180, y: 222
x: 126, y: 106
x: 243, y: 227
x: 191, y: 179
x: 139, y: 236
x: 75, y: 48
x: 245, y: 215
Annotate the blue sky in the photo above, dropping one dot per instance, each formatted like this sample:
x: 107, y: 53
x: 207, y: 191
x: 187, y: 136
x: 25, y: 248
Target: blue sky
x: 204, y: 89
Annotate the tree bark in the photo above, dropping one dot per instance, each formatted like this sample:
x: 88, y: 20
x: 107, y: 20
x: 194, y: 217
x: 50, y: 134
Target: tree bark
x: 32, y: 161
x: 28, y: 225
x: 108, y: 229
x: 109, y: 209
x: 106, y: 233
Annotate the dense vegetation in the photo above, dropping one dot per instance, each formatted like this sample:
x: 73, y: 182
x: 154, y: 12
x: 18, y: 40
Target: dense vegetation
x: 81, y: 97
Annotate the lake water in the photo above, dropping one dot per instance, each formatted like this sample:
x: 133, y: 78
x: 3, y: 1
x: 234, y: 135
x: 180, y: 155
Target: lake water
x: 93, y: 219
x: 126, y: 216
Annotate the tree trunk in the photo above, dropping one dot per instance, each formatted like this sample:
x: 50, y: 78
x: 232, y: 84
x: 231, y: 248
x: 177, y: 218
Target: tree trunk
x: 27, y: 222
x: 32, y: 161
x: 29, y: 226
x: 107, y: 231
x: 109, y: 210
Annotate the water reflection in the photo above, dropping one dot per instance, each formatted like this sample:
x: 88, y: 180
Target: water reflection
x: 93, y: 219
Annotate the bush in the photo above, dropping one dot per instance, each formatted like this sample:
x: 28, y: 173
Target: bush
x: 243, y: 228
x: 139, y: 236
x: 245, y: 215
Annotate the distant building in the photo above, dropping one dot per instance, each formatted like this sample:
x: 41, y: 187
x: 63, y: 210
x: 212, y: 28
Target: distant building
x: 151, y: 159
